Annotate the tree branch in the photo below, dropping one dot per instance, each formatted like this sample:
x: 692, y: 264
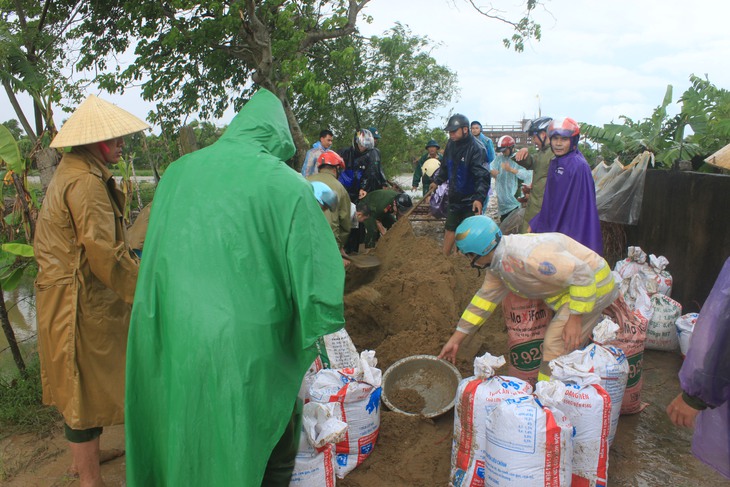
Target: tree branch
x: 319, y: 35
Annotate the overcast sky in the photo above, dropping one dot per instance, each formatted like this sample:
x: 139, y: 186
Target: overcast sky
x: 597, y: 60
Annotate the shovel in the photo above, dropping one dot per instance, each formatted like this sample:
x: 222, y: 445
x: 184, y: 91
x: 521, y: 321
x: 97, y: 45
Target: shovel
x: 364, y: 261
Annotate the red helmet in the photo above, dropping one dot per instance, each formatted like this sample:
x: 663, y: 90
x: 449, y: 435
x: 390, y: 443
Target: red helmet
x: 330, y: 158
x: 565, y: 127
x: 505, y: 142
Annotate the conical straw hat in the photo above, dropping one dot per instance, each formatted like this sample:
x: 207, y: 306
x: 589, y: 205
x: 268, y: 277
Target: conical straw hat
x: 96, y: 120
x: 720, y: 158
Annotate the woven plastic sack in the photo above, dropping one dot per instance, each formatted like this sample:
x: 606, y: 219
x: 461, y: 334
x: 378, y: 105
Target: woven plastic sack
x: 661, y: 332
x: 609, y: 363
x: 685, y: 326
x: 356, y: 391
x: 631, y: 338
x: 314, y: 465
x: 530, y: 441
x: 476, y: 397
x: 588, y: 406
x: 526, y: 321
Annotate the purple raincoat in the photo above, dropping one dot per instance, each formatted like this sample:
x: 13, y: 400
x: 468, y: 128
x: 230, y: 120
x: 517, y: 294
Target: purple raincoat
x: 569, y: 204
x: 706, y: 374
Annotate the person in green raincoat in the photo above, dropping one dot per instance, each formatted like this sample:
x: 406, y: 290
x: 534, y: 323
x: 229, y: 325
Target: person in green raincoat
x: 240, y: 276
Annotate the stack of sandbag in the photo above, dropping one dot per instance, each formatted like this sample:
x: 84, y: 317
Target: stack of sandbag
x: 609, y: 363
x: 647, y: 286
x: 526, y: 321
x: 334, y: 351
x: 315, y: 461
x: 630, y: 338
x: 530, y: 441
x: 476, y: 396
x: 356, y: 392
x: 588, y: 406
x: 685, y: 327
x: 652, y: 269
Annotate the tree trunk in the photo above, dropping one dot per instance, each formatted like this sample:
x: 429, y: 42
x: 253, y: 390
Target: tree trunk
x: 187, y: 141
x: 46, y: 161
x: 10, y: 334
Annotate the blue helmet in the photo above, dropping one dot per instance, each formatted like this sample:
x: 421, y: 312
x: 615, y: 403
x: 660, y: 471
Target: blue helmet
x: 477, y: 235
x: 325, y: 196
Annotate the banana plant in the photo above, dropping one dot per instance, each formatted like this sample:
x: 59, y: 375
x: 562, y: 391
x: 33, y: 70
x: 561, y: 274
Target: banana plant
x: 659, y: 134
x: 16, y: 175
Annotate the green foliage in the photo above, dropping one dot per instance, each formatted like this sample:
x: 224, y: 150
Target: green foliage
x: 9, y: 151
x: 664, y: 136
x: 35, y: 49
x: 21, y: 406
x: 390, y: 81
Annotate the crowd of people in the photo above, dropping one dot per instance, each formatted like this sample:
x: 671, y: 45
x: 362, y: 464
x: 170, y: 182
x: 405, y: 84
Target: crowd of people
x: 200, y: 345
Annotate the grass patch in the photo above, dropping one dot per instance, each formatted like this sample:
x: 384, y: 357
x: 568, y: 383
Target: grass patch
x: 21, y: 406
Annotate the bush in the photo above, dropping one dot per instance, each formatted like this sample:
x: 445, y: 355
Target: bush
x: 21, y: 406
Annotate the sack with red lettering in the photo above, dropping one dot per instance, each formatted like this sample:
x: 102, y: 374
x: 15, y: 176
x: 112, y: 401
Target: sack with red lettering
x: 526, y: 321
x: 356, y: 391
x: 685, y: 326
x: 588, y: 406
x: 609, y: 363
x: 476, y: 396
x: 652, y: 270
x: 314, y: 465
x: 334, y: 351
x: 631, y: 338
x: 661, y: 332
x: 530, y: 441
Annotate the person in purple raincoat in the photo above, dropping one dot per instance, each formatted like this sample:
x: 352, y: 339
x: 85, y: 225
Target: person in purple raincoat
x: 705, y: 380
x: 569, y: 204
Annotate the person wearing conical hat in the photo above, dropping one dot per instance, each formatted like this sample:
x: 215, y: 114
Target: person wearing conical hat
x: 86, y: 282
x: 419, y: 174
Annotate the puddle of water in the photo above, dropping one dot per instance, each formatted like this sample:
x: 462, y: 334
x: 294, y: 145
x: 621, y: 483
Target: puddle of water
x: 20, y: 304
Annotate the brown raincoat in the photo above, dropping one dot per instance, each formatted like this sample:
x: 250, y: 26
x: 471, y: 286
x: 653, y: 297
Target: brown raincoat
x: 84, y: 291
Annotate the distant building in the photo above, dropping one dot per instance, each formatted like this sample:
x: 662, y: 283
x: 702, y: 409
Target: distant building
x: 494, y: 132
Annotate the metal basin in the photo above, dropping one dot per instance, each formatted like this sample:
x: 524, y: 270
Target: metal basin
x: 420, y: 385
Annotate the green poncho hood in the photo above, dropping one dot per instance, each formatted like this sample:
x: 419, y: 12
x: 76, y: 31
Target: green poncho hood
x: 240, y: 275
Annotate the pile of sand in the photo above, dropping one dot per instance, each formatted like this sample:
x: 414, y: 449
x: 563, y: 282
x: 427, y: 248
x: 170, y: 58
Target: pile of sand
x: 409, y: 306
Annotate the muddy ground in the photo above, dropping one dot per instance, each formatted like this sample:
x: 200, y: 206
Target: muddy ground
x: 409, y: 306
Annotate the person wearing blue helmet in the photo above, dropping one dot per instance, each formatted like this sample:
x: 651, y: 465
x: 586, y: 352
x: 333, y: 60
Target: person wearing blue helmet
x: 572, y: 279
x: 326, y: 198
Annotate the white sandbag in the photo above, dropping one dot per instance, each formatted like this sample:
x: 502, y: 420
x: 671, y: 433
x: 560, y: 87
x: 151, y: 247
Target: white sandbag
x: 637, y: 296
x: 530, y: 441
x: 337, y: 350
x: 357, y: 393
x: 661, y: 332
x: 685, y: 327
x: 588, y: 406
x: 314, y: 465
x: 308, y: 379
x: 657, y: 271
x: 651, y: 269
x: 334, y: 351
x: 476, y: 396
x: 609, y: 363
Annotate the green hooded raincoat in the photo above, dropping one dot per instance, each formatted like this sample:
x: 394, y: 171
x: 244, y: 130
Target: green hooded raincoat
x: 240, y: 275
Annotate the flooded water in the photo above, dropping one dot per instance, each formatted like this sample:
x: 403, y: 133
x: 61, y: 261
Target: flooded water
x: 21, y: 311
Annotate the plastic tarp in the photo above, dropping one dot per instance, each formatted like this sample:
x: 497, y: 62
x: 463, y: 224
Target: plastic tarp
x: 620, y: 190
x: 706, y: 374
